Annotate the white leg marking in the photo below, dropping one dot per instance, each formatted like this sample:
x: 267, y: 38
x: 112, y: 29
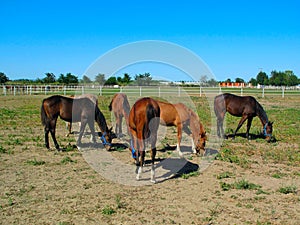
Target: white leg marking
x: 153, y: 174
x: 179, y: 151
x: 139, y: 174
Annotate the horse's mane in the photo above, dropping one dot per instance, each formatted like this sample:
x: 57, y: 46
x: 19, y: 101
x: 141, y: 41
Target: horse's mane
x: 100, y: 119
x: 261, y: 113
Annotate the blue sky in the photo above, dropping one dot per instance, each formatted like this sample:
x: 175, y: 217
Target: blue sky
x: 234, y: 38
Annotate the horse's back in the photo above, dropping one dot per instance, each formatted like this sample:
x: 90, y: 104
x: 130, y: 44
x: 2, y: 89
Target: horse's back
x: 142, y: 110
x: 234, y: 104
x: 119, y: 102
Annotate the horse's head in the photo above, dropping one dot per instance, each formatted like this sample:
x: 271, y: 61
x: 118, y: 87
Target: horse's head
x: 107, y: 138
x: 268, y: 129
x: 200, y: 143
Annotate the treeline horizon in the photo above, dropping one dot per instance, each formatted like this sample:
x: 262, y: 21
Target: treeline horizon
x: 276, y: 78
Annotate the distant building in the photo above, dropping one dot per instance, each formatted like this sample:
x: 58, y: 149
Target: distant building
x: 232, y: 84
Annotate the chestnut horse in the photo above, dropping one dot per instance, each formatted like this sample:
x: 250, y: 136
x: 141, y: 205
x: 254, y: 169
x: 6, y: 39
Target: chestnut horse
x: 73, y: 110
x: 143, y: 125
x: 119, y: 105
x: 92, y: 97
x: 246, y: 107
x: 182, y: 117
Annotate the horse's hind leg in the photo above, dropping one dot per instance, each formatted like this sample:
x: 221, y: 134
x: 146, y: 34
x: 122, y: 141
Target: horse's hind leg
x: 93, y: 133
x: 153, y: 154
x: 119, y: 126
x: 243, y: 119
x: 179, y: 136
x: 82, y: 127
x: 141, y: 150
x: 52, y: 131
x: 46, y: 131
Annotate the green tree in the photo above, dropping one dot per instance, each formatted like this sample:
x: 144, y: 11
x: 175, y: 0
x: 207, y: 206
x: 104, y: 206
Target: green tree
x: 86, y: 80
x: 50, y: 78
x: 3, y: 78
x: 126, y: 78
x: 287, y: 78
x: 277, y: 78
x: 239, y: 80
x: 253, y: 81
x: 143, y: 79
x: 262, y: 78
x: 71, y: 79
x: 111, y: 81
x: 212, y: 82
x: 62, y: 79
x: 67, y: 79
x: 100, y: 79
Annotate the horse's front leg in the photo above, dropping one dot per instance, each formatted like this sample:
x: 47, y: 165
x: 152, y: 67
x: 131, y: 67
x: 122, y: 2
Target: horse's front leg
x: 69, y: 128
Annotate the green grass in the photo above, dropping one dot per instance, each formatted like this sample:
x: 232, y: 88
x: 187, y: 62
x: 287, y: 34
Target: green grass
x: 239, y: 185
x: 229, y: 155
x: 108, y: 210
x: 67, y: 159
x: 225, y: 175
x: 288, y: 189
x: 35, y: 162
x: 191, y: 174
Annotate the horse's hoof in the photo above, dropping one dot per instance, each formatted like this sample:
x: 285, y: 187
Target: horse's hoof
x: 153, y: 181
x: 180, y: 154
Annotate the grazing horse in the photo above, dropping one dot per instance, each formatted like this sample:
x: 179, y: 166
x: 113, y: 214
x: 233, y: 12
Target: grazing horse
x: 182, y: 117
x: 143, y: 125
x: 92, y: 97
x: 73, y: 110
x: 119, y: 105
x: 246, y: 107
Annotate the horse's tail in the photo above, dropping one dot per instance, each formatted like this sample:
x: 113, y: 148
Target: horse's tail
x: 219, y: 104
x: 110, y: 105
x: 215, y: 105
x: 150, y: 115
x: 43, y: 115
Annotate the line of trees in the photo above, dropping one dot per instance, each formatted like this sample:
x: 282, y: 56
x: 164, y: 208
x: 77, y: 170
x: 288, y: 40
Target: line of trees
x: 277, y: 78
x: 70, y: 79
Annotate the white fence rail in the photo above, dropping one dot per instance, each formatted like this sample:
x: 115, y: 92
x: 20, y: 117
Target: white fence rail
x: 143, y: 90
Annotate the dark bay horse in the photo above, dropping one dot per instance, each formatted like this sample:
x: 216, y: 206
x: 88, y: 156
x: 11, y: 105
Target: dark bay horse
x: 73, y: 110
x: 143, y: 125
x: 182, y: 117
x: 119, y: 105
x: 92, y: 97
x: 246, y: 107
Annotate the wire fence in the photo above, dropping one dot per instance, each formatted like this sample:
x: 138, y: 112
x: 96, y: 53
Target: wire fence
x: 145, y: 90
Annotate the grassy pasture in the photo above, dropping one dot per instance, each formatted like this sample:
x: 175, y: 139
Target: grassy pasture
x: 250, y: 182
